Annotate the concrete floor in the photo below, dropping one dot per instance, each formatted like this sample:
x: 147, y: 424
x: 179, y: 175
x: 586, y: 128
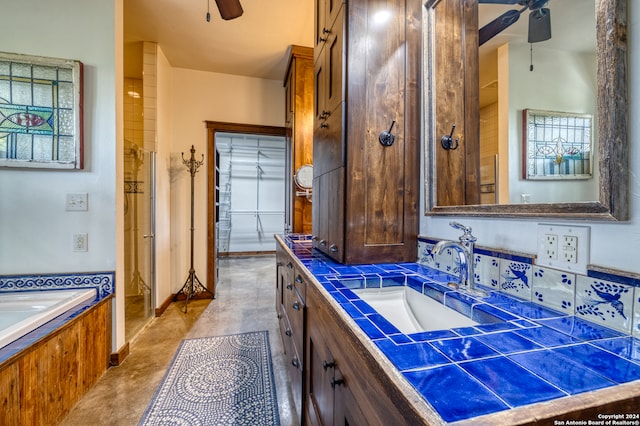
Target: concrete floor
x: 245, y: 301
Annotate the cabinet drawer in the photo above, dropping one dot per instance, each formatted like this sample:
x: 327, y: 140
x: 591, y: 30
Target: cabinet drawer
x: 296, y: 318
x: 285, y: 329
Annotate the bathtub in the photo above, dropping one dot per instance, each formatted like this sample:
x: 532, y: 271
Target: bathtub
x: 24, y: 311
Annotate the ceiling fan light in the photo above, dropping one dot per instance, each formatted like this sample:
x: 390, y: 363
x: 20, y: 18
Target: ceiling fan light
x: 229, y: 9
x: 539, y: 25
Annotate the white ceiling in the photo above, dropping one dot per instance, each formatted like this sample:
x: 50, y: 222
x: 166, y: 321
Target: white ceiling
x: 256, y: 43
x: 253, y: 45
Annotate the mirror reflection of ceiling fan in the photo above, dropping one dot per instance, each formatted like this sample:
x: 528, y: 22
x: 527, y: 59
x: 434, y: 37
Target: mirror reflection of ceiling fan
x: 539, y: 20
x: 229, y: 9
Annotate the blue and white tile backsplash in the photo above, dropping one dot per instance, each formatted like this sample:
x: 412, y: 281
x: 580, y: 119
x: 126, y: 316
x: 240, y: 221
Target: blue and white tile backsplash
x: 611, y: 299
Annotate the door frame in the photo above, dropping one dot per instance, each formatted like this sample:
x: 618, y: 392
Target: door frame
x: 212, y: 128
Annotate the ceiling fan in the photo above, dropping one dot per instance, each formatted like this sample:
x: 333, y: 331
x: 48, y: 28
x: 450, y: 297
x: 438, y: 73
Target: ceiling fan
x: 229, y: 9
x: 539, y: 20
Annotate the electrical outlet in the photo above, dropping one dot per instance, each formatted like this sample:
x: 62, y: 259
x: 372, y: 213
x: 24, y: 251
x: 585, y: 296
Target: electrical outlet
x: 80, y: 242
x: 551, y: 246
x: 570, y: 248
x: 563, y: 247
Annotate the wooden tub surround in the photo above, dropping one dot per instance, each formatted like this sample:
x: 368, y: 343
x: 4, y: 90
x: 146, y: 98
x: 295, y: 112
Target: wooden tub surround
x: 340, y: 374
x: 43, y: 381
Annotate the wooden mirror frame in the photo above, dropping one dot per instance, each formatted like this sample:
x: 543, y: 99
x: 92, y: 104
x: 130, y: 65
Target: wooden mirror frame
x: 613, y: 142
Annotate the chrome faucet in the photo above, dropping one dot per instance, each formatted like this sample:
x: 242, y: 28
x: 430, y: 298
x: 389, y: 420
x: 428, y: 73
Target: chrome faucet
x: 464, y: 249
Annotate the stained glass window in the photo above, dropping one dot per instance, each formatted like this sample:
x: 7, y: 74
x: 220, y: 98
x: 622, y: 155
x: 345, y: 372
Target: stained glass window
x: 40, y: 112
x: 557, y: 145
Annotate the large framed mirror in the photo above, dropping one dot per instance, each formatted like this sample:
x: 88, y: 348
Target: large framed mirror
x: 459, y: 181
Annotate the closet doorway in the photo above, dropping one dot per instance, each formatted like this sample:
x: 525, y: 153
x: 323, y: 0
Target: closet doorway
x: 246, y: 197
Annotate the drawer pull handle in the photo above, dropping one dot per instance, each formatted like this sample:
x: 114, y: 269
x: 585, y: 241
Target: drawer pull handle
x: 290, y: 265
x: 289, y: 286
x: 299, y: 279
x: 295, y: 362
x: 324, y: 126
x: 296, y: 305
x: 333, y: 248
x: 335, y: 382
x: 329, y: 364
x: 288, y: 332
x: 323, y: 242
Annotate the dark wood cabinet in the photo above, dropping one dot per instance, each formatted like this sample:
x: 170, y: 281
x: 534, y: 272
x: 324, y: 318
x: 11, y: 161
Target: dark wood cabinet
x: 335, y: 379
x: 299, y: 88
x: 456, y: 100
x: 367, y: 80
x: 290, y: 308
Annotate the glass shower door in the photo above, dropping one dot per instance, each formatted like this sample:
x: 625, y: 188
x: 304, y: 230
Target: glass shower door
x: 139, y: 250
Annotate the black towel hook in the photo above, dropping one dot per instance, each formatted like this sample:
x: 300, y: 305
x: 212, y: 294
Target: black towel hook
x: 447, y: 140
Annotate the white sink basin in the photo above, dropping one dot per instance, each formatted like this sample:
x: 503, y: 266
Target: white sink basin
x: 411, y: 311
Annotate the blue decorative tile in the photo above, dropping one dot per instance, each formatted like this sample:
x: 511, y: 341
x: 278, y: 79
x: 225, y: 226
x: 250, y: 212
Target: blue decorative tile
x: 611, y: 366
x: 554, y: 289
x: 620, y: 277
x: 425, y: 336
x: 453, y: 393
x: 484, y: 314
x: 561, y: 372
x: 103, y: 282
x: 352, y: 310
x: 400, y: 339
x: 412, y: 355
x: 466, y: 331
x: 530, y: 310
x: 498, y: 326
x: 369, y: 328
x: 507, y: 342
x: 392, y: 280
x: 512, y: 383
x: 364, y: 307
x: 605, y: 302
x: 625, y: 347
x: 487, y: 271
x: 383, y: 324
x: 580, y: 329
x: 547, y: 337
x: 464, y: 349
x: 515, y: 278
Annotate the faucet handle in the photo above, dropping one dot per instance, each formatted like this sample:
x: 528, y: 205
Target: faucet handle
x: 466, y: 229
x: 457, y: 225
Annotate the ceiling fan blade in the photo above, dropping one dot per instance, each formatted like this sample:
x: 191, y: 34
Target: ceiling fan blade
x: 539, y: 25
x: 229, y: 9
x: 498, y: 25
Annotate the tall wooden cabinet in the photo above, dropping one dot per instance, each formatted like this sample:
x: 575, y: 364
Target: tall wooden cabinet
x: 299, y: 87
x: 366, y: 194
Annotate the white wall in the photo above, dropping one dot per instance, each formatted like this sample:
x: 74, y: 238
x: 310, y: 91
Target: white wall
x: 35, y: 229
x: 613, y: 245
x: 196, y: 97
x: 561, y: 82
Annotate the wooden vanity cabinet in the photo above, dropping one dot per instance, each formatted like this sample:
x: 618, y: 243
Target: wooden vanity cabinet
x: 366, y: 194
x: 290, y: 308
x: 299, y: 87
x: 343, y: 385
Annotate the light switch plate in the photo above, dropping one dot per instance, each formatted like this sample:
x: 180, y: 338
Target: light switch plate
x: 77, y: 202
x: 563, y: 247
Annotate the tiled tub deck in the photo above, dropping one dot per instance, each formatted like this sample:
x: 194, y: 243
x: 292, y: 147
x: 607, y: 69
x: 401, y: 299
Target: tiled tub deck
x: 522, y: 353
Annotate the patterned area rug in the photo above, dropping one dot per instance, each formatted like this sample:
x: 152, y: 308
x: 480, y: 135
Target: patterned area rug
x: 225, y: 380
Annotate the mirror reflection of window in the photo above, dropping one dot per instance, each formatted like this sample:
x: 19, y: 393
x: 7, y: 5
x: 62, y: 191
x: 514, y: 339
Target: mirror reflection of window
x: 558, y: 74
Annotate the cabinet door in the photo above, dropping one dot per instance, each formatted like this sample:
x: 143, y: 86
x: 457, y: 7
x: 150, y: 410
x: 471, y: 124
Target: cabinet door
x: 333, y: 56
x: 328, y: 220
x: 320, y: 397
x: 456, y: 61
x: 328, y: 148
x: 347, y: 412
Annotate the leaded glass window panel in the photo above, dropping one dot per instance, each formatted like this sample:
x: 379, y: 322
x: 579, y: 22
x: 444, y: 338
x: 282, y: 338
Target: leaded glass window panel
x: 40, y: 112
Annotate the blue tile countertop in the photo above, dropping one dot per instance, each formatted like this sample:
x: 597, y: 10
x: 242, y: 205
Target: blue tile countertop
x: 521, y: 354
